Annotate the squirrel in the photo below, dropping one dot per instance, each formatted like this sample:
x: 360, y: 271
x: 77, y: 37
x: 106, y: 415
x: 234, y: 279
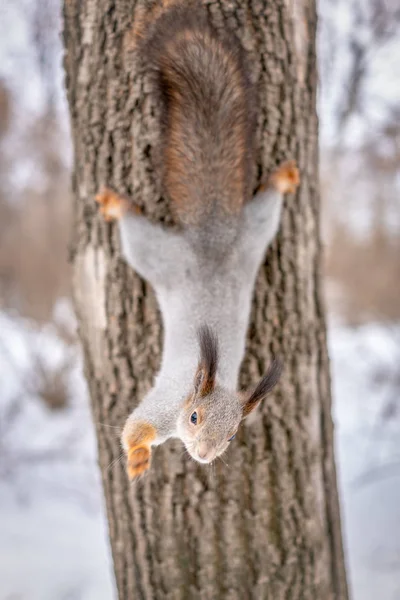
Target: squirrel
x: 204, y: 271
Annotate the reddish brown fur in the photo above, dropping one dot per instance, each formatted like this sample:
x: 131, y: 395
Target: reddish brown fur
x: 208, y: 104
x: 200, y: 414
x: 144, y: 17
x: 249, y: 407
x: 137, y: 438
x: 263, y: 388
x: 207, y: 386
x: 285, y: 178
x: 113, y: 206
x: 208, y: 364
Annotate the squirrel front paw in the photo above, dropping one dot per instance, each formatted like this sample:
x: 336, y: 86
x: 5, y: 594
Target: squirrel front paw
x: 137, y: 437
x: 138, y: 461
x: 285, y: 178
x: 113, y: 206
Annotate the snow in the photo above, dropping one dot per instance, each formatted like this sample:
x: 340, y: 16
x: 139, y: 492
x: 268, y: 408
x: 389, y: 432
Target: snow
x: 54, y: 535
x: 53, y: 542
x: 365, y: 363
x: 51, y: 549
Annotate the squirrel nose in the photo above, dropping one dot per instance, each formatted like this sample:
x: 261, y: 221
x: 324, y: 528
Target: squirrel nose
x: 202, y: 450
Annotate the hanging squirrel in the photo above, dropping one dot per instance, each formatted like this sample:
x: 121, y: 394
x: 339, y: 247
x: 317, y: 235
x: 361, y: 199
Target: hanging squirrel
x: 204, y: 272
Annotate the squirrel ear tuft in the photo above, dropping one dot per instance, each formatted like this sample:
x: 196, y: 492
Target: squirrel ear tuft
x: 266, y: 384
x: 208, y: 361
x: 199, y: 379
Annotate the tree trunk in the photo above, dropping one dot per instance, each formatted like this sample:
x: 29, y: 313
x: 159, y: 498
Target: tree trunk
x: 266, y: 524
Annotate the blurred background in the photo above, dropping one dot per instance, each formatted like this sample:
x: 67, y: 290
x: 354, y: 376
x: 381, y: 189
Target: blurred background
x: 53, y: 542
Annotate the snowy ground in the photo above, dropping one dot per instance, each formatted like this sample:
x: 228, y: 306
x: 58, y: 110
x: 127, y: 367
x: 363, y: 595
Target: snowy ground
x: 366, y: 381
x: 53, y: 542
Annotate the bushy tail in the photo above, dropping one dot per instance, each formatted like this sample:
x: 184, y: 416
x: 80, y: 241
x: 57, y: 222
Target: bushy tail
x: 208, y: 110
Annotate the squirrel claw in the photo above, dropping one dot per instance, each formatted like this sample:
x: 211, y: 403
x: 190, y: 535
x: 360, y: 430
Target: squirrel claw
x: 112, y: 205
x: 138, y: 461
x: 286, y: 178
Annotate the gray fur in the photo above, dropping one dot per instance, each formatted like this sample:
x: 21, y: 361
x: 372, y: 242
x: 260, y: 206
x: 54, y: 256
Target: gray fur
x: 201, y: 276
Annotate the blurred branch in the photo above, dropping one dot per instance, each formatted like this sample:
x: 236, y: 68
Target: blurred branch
x: 377, y: 474
x: 45, y: 31
x: 374, y: 25
x: 5, y: 109
x: 351, y: 98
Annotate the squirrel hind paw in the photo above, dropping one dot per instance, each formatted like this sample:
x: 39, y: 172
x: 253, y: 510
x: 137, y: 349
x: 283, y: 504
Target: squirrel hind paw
x: 286, y: 178
x: 138, y: 462
x: 112, y: 206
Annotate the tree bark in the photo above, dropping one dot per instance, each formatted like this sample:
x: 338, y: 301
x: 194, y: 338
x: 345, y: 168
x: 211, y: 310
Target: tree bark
x: 267, y: 523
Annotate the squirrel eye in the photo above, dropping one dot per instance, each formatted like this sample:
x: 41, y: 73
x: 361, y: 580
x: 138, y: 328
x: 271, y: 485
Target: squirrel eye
x: 231, y: 438
x: 193, y: 418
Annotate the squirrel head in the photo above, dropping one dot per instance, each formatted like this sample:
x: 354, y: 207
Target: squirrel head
x: 211, y: 414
